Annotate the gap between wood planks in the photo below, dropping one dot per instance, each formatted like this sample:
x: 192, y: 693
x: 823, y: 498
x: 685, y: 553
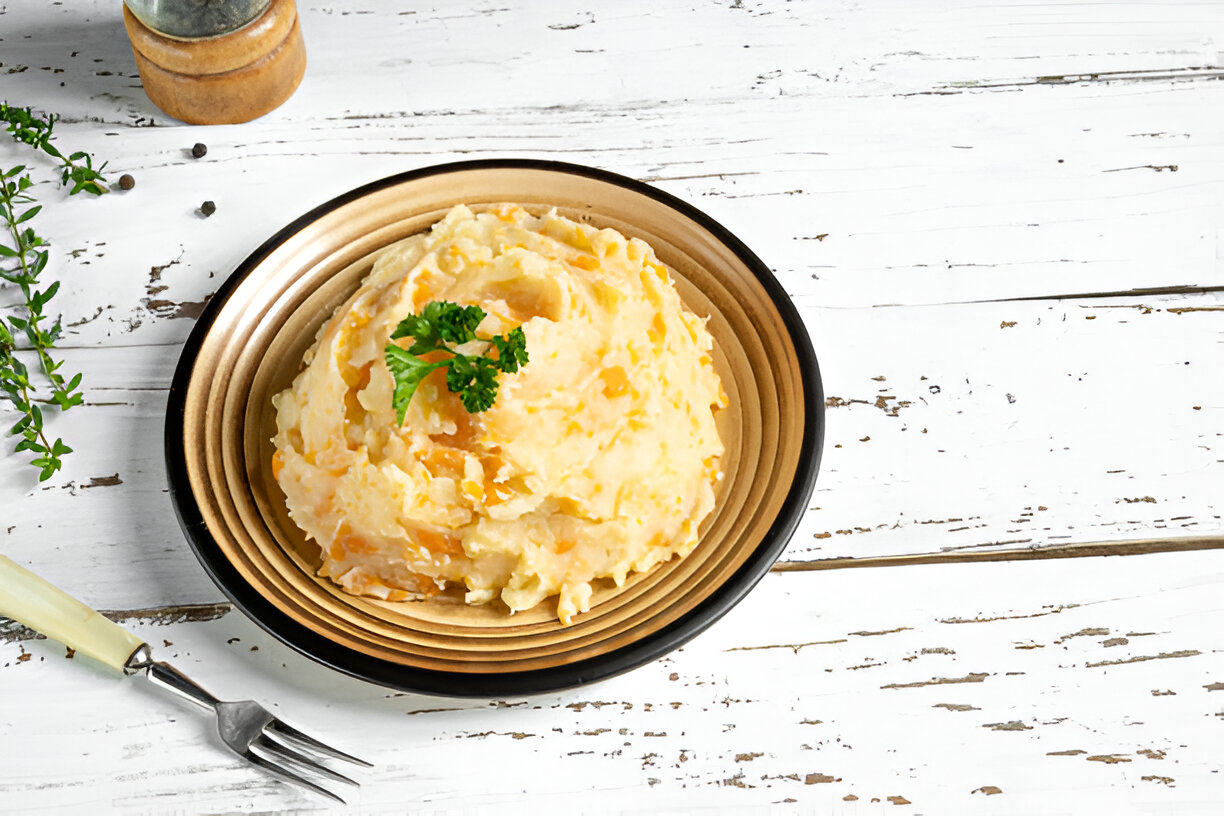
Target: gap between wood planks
x: 1141, y: 292
x: 1185, y: 74
x: 12, y: 632
x: 1087, y: 549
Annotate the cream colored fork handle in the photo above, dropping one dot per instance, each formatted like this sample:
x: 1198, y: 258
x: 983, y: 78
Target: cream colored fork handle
x: 30, y: 600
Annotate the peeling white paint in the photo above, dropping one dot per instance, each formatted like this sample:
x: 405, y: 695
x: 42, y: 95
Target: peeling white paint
x: 1002, y: 229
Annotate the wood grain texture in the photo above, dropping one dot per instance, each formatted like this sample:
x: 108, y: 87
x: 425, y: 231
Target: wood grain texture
x: 1001, y: 225
x: 925, y: 684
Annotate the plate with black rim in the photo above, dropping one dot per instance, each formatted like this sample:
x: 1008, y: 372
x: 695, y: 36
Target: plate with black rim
x: 248, y: 345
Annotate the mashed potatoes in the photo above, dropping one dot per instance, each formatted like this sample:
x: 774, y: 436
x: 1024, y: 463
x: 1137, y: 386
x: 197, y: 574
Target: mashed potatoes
x: 597, y: 459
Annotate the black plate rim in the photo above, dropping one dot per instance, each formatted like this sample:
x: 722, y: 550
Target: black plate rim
x: 537, y: 681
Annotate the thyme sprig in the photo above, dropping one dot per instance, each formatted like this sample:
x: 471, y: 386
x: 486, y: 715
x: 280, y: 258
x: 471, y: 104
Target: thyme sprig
x: 31, y: 256
x: 25, y: 126
x: 15, y: 384
x: 23, y: 258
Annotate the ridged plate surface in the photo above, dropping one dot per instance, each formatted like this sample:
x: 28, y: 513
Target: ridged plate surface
x: 248, y: 345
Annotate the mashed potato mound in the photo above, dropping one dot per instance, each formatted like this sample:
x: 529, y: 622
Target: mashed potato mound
x: 597, y: 459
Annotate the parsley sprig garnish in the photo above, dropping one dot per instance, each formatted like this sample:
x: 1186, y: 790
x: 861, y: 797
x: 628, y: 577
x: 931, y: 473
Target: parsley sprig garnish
x: 443, y: 326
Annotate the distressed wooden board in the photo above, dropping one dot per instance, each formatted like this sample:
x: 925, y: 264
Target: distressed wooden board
x: 1017, y: 424
x: 955, y: 168
x: 946, y: 193
x: 973, y: 224
x: 1066, y: 688
x: 950, y: 428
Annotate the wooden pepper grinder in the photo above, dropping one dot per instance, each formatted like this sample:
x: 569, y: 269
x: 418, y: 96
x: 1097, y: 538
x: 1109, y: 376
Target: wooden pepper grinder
x: 213, y: 62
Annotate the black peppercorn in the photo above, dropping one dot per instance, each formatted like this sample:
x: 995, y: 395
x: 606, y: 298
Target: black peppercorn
x: 199, y: 149
x: 208, y: 208
x: 126, y: 182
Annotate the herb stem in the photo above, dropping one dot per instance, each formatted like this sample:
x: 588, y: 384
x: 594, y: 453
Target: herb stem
x: 30, y: 255
x: 21, y: 386
x: 25, y: 243
x: 24, y: 126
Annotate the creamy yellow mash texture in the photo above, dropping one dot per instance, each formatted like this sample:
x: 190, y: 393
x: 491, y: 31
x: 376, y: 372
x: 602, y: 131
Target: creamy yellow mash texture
x: 597, y: 459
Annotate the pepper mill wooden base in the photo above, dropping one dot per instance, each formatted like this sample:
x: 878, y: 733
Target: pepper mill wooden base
x: 228, y: 79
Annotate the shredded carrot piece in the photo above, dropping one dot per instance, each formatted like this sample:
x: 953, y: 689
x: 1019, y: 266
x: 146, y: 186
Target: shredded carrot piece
x: 565, y: 545
x: 588, y: 262
x: 421, y: 295
x: 615, y: 380
x: 355, y: 544
x: 278, y: 462
x: 508, y: 212
x: 495, y: 493
x: 363, y: 376
x: 439, y: 543
x: 657, y: 328
x: 443, y: 458
x: 426, y: 585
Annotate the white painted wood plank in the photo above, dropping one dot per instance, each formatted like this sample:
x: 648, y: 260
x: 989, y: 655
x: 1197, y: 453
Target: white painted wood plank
x: 984, y: 189
x: 894, y: 163
x: 956, y: 201
x: 1021, y: 424
x: 961, y: 427
x: 926, y: 683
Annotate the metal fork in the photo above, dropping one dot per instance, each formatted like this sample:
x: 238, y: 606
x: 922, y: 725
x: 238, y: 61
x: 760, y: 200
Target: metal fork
x: 246, y: 727
x: 250, y: 730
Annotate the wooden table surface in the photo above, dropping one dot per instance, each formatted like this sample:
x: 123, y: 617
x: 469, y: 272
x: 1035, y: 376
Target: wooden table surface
x: 1002, y: 225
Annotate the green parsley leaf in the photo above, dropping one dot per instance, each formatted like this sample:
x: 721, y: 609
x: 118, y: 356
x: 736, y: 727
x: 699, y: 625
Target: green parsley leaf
x: 408, y: 370
x: 455, y: 324
x: 443, y: 326
x: 474, y: 379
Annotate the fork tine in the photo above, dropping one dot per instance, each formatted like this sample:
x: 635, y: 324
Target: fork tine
x: 289, y: 731
x: 285, y: 773
x: 278, y: 749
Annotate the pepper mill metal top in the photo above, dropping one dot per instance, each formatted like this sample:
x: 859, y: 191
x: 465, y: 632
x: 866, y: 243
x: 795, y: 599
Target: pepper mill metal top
x: 196, y: 19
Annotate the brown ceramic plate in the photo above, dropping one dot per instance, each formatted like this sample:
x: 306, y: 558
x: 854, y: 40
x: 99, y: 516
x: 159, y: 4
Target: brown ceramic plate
x: 248, y: 345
